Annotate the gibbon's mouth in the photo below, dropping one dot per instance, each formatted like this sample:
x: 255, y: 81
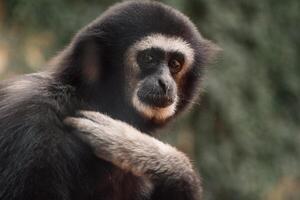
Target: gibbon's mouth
x: 156, y: 101
x: 154, y: 106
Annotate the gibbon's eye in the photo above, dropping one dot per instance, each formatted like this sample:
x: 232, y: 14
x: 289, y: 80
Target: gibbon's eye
x: 175, y: 65
x: 148, y: 58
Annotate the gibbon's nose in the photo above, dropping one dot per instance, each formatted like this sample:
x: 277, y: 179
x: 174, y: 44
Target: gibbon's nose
x: 166, y: 85
x: 163, y: 85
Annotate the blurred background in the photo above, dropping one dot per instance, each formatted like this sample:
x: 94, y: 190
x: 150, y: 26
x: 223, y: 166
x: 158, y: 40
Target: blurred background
x: 244, y: 133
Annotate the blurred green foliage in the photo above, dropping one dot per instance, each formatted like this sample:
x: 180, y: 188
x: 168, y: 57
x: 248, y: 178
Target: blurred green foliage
x: 244, y: 137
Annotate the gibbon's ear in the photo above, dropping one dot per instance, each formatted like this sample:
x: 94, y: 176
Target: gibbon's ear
x: 80, y: 62
x: 210, y: 51
x: 91, y: 61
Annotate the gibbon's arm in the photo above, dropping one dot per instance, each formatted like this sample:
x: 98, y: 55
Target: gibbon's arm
x: 168, y: 169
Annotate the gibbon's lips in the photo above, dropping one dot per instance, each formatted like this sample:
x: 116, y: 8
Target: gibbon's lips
x: 156, y: 100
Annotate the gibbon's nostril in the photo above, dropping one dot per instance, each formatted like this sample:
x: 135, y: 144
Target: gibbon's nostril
x: 163, y: 85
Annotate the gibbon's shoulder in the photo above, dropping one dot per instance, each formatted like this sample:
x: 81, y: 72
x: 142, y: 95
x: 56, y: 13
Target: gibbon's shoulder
x: 31, y: 97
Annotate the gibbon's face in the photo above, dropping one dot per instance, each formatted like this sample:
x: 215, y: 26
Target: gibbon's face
x: 153, y: 56
x: 160, y: 63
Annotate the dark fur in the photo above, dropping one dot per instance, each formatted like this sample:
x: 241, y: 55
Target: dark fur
x: 40, y: 158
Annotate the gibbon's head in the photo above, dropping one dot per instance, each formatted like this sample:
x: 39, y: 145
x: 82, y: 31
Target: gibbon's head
x: 146, y: 54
